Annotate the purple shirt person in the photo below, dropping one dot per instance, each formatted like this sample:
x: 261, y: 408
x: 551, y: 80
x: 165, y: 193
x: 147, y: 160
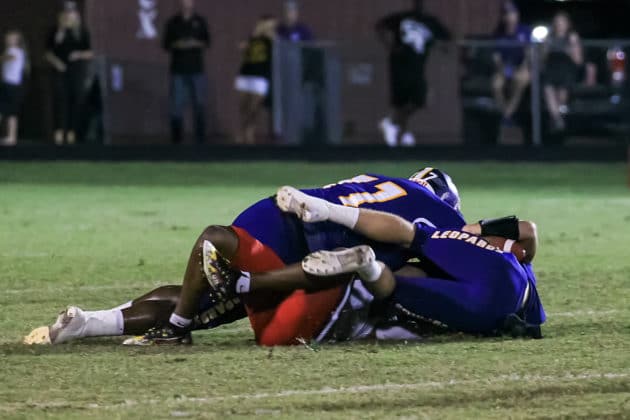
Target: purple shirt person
x: 509, y: 32
x: 512, y: 73
x: 291, y: 29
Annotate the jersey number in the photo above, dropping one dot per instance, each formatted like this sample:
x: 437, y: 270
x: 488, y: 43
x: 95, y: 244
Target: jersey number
x: 387, y: 191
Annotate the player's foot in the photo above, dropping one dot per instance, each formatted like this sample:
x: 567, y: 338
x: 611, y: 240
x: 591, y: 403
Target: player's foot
x: 390, y: 132
x: 408, y: 140
x: 307, y: 208
x: 160, y: 335
x: 40, y: 335
x: 69, y: 325
x: 329, y: 263
x: 517, y: 327
x: 220, y: 274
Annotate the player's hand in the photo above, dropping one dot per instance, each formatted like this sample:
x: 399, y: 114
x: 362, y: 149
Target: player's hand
x: 308, y: 209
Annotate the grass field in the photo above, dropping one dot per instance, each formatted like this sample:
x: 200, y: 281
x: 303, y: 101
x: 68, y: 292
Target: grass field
x: 99, y: 234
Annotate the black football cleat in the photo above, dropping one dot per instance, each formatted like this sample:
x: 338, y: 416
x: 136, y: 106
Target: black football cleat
x: 220, y: 274
x: 167, y: 335
x: 517, y: 327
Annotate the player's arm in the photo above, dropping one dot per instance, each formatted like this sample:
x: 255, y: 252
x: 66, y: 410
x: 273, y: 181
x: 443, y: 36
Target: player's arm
x: 384, y: 227
x: 524, y: 232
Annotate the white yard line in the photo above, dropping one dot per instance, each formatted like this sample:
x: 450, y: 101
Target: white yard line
x: 354, y: 389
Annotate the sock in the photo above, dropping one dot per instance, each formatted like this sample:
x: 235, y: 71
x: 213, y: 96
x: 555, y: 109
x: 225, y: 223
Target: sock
x: 124, y: 306
x: 103, y: 323
x: 179, y: 321
x: 372, y: 272
x: 243, y: 284
x: 345, y: 216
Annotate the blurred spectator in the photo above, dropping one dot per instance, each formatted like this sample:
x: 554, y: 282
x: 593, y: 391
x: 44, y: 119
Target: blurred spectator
x: 68, y: 48
x: 291, y: 29
x: 563, y: 63
x: 512, y: 74
x: 409, y: 37
x: 186, y: 37
x: 254, y: 79
x: 15, y: 65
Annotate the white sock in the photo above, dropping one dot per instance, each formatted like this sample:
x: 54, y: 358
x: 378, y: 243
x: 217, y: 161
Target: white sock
x: 124, y: 306
x: 372, y: 272
x: 343, y: 215
x: 244, y: 283
x: 104, y: 323
x: 179, y: 321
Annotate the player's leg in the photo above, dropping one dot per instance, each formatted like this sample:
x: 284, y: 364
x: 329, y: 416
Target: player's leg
x: 277, y: 317
x: 445, y: 302
x: 287, y: 280
x: 131, y: 317
x: 156, y: 308
x: 477, y: 303
x: 195, y: 283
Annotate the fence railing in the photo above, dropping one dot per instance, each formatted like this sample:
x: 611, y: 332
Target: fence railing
x: 333, y: 93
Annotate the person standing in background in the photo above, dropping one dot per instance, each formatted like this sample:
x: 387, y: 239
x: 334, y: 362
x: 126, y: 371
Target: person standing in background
x: 563, y: 63
x: 254, y: 80
x: 409, y: 37
x: 68, y: 49
x: 15, y: 65
x: 186, y: 37
x: 512, y: 75
x: 291, y: 28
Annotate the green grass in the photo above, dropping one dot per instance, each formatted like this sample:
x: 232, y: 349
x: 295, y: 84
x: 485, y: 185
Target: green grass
x: 100, y: 234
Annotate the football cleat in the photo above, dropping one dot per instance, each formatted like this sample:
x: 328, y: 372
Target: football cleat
x: 517, y: 327
x: 330, y: 263
x: 220, y: 274
x: 159, y: 336
x: 68, y: 326
x: 307, y: 208
x: 39, y: 335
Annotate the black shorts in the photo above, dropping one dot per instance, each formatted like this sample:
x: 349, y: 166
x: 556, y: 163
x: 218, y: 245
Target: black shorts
x: 408, y: 86
x: 10, y: 99
x: 560, y: 71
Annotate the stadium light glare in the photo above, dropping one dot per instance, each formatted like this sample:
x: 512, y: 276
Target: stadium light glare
x: 540, y: 33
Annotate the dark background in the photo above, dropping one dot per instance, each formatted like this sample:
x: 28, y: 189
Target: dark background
x: 142, y: 110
